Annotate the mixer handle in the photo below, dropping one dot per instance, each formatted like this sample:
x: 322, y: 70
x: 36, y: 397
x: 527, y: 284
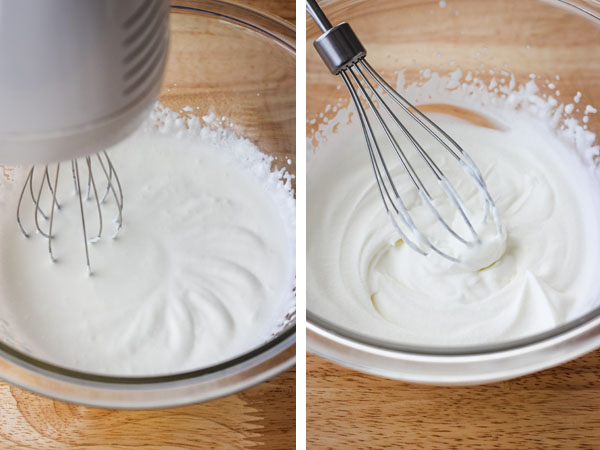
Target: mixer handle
x: 338, y: 46
x: 318, y: 15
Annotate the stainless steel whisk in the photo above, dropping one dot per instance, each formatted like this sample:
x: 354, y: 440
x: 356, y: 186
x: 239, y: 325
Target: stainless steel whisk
x: 95, y: 191
x: 344, y: 55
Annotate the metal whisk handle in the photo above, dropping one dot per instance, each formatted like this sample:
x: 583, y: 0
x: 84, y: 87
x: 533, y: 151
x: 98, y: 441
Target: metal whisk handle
x: 338, y: 46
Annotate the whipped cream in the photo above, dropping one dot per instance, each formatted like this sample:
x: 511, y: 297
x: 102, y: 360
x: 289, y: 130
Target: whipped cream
x: 538, y: 273
x: 202, y: 271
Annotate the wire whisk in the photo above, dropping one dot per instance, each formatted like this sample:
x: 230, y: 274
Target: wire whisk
x: 100, y: 176
x: 344, y: 55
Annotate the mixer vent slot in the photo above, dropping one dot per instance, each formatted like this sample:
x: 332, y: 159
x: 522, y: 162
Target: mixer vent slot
x: 144, y: 43
x: 138, y: 59
x: 157, y: 61
x: 137, y: 14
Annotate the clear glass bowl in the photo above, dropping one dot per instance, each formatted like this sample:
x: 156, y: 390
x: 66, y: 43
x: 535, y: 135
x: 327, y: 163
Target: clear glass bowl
x: 523, y: 37
x: 221, y: 56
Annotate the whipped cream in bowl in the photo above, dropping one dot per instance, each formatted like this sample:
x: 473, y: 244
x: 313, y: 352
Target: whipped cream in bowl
x: 202, y: 272
x: 195, y: 298
x: 528, y: 279
x: 526, y: 296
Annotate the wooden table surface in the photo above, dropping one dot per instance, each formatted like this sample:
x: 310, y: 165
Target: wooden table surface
x: 556, y: 408
x: 286, y: 9
x: 263, y: 416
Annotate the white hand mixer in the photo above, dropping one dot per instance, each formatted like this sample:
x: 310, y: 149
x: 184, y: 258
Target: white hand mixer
x: 75, y: 78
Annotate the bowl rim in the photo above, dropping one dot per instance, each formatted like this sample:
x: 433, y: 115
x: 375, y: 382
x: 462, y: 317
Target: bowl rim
x: 224, y: 378
x: 280, y: 30
x: 352, y: 348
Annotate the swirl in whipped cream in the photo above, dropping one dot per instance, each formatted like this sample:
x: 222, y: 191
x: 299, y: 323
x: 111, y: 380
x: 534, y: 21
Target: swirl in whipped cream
x: 539, y: 274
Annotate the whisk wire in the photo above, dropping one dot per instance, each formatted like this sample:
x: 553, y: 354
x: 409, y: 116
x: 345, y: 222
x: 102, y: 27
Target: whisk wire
x: 447, y: 188
x: 413, y: 112
x: 54, y: 202
x: 401, y: 209
x: 29, y: 175
x: 370, y: 137
x: 370, y: 94
x: 92, y: 182
x: 54, y: 199
x: 458, y: 152
x: 113, y: 185
x: 372, y: 142
x: 38, y: 208
x: 118, y: 197
x: 33, y: 197
x: 377, y: 160
x: 399, y: 152
x: 85, y: 241
x: 108, y: 175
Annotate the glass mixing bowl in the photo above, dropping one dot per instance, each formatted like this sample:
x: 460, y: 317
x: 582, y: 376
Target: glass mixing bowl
x: 221, y: 56
x: 545, y: 38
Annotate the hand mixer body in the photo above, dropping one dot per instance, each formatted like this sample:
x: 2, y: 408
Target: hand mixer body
x: 77, y: 76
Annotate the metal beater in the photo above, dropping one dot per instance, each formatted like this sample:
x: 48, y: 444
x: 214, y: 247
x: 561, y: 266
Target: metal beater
x: 344, y: 55
x: 93, y: 192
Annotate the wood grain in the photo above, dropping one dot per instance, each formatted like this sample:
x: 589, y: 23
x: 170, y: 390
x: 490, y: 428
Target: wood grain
x: 282, y: 8
x: 263, y: 416
x: 477, y: 36
x: 556, y: 408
